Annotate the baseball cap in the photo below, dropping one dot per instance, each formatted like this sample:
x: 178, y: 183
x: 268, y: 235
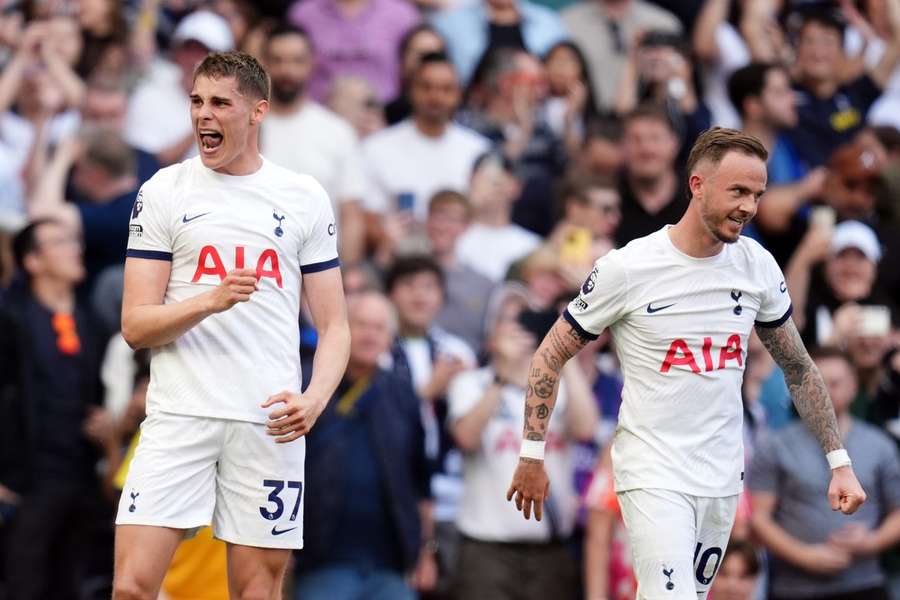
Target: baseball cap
x: 854, y: 234
x: 854, y: 161
x: 205, y: 27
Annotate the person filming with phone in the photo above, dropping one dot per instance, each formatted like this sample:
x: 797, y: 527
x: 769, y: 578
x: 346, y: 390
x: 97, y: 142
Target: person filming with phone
x: 832, y: 279
x: 851, y: 187
x: 501, y: 554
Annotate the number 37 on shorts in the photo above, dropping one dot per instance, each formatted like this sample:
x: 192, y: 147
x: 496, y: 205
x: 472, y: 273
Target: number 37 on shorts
x: 280, y: 493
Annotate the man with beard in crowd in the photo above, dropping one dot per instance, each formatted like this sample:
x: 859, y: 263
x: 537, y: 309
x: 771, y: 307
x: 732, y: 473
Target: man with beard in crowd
x: 303, y: 136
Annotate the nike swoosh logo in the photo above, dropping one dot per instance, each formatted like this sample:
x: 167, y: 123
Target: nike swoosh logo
x: 276, y: 531
x: 651, y: 310
x: 185, y: 219
x: 782, y: 288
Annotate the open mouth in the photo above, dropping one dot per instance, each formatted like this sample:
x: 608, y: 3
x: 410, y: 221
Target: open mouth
x: 210, y: 139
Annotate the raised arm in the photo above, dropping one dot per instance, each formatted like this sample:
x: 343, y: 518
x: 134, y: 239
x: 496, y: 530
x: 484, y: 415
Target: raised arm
x: 882, y: 71
x: 712, y: 15
x: 530, y: 484
x: 811, y: 398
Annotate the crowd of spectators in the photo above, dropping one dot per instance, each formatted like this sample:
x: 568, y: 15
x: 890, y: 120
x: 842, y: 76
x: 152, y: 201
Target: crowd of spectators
x: 480, y: 156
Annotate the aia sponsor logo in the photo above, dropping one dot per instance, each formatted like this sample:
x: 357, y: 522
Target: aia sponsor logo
x: 210, y: 262
x: 713, y: 359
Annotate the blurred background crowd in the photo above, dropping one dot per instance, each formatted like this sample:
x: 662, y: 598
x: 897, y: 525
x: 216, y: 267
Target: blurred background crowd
x: 480, y: 155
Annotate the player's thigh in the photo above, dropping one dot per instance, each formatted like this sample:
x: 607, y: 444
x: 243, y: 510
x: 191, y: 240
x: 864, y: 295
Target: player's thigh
x: 256, y: 572
x: 661, y: 528
x: 142, y: 556
x: 171, y: 481
x: 715, y: 519
x: 259, y: 489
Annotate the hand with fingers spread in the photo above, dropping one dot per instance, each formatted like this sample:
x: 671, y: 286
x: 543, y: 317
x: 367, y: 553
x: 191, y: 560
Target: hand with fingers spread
x: 530, y: 486
x: 296, y: 418
x: 237, y: 286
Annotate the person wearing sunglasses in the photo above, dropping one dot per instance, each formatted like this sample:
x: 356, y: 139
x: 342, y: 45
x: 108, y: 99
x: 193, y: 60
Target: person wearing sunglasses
x: 855, y: 175
x: 50, y: 385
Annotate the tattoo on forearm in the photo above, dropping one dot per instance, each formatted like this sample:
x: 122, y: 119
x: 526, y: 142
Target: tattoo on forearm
x: 804, y: 381
x: 543, y: 387
x: 561, y: 344
x: 553, y: 362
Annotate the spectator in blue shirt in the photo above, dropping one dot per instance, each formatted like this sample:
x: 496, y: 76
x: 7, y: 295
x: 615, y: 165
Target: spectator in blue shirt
x: 831, y: 111
x: 104, y: 176
x: 368, y: 524
x: 762, y: 95
x: 817, y: 552
x: 472, y: 30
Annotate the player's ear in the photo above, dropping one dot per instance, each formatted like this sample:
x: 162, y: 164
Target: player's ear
x: 695, y: 184
x: 258, y: 111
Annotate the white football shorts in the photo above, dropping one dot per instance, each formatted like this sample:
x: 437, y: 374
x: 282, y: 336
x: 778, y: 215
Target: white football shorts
x: 677, y: 540
x: 189, y: 472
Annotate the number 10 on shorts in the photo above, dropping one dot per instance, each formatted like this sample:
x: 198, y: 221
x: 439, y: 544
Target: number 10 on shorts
x: 278, y: 486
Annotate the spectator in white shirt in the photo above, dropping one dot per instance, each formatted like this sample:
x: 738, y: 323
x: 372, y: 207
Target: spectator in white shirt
x: 158, y: 119
x: 412, y: 160
x: 305, y: 137
x: 502, y: 556
x: 493, y: 242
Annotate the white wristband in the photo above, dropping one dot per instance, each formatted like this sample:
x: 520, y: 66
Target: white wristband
x: 532, y: 449
x: 838, y: 458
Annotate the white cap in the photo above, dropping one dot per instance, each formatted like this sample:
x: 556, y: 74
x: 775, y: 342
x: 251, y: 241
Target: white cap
x: 205, y: 27
x: 854, y: 234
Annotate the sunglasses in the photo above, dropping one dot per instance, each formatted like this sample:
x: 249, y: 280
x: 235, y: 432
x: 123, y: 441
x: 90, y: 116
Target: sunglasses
x: 608, y: 209
x: 67, y: 340
x: 859, y: 183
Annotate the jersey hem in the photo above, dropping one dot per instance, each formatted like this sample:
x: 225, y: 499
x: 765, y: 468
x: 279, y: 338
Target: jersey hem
x: 705, y: 493
x: 776, y: 322
x: 228, y: 416
x: 581, y: 330
x: 151, y: 254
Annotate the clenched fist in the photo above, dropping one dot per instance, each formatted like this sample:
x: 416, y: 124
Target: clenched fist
x: 237, y: 286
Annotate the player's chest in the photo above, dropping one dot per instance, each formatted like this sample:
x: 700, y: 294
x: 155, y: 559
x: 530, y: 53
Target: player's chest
x: 703, y: 320
x: 214, y: 234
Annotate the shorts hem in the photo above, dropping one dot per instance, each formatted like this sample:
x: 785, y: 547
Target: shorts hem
x: 160, y: 523
x: 274, y: 544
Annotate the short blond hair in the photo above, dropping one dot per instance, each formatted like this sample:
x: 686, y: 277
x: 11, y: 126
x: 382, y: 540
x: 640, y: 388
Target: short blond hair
x: 713, y: 144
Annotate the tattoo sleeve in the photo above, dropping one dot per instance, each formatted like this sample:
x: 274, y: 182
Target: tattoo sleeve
x: 562, y: 343
x: 804, y: 381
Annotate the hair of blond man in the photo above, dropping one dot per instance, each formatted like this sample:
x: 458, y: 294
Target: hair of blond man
x: 713, y: 144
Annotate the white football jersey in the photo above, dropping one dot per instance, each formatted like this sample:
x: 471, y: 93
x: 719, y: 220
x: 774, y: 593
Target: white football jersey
x: 681, y: 327
x: 275, y: 221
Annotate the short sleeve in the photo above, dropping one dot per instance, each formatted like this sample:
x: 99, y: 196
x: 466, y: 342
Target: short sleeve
x: 463, y: 393
x: 763, y: 473
x: 602, y: 299
x: 319, y: 249
x: 149, y: 229
x: 775, y: 306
